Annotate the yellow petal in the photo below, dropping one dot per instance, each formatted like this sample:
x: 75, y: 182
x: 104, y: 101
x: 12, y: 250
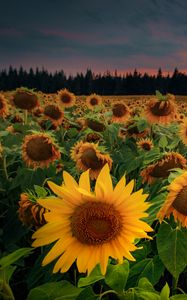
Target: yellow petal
x: 84, y: 181
x: 119, y: 188
x: 69, y: 180
x: 54, y: 204
x: 104, y: 180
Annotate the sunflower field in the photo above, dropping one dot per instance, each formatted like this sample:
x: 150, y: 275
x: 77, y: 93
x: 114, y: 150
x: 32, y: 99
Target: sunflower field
x: 93, y: 196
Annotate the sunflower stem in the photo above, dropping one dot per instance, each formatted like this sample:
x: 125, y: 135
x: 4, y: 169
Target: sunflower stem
x: 6, y: 291
x: 25, y: 116
x: 107, y: 292
x: 174, y: 284
x: 5, y: 167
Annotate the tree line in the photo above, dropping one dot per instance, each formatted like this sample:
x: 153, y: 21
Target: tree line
x: 133, y: 83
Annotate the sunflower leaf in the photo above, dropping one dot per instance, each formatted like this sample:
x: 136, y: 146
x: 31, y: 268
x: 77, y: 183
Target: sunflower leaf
x: 94, y: 276
x: 172, y: 245
x: 116, y: 276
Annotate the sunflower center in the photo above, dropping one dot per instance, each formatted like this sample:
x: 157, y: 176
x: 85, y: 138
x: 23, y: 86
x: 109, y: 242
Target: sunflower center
x: 119, y: 110
x: 95, y: 223
x: 25, y: 100
x: 90, y: 160
x: 146, y: 146
x: 38, y: 149
x: 162, y: 169
x: 161, y: 108
x: 180, y: 203
x: 52, y: 112
x: 65, y: 98
x: 93, y: 101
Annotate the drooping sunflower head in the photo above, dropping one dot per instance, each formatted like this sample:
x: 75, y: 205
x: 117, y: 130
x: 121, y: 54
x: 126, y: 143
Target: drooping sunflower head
x: 92, y: 137
x: 120, y: 112
x: 93, y: 101
x: 89, y: 227
x: 160, y: 111
x: 90, y: 157
x: 25, y: 99
x: 53, y: 113
x: 31, y: 213
x: 66, y: 98
x: 3, y: 106
x: 95, y: 125
x: 145, y: 144
x: 176, y: 202
x: 74, y: 152
x: 163, y: 167
x: 39, y: 150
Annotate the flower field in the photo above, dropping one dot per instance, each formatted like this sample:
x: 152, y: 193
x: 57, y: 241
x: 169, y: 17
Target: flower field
x: 93, y: 196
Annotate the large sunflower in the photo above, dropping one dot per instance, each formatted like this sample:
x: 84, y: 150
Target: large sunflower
x: 39, y: 150
x: 91, y: 227
x: 53, y: 113
x: 25, y: 99
x: 163, y: 167
x: 66, y: 98
x: 90, y: 157
x: 160, y: 111
x: 176, y: 201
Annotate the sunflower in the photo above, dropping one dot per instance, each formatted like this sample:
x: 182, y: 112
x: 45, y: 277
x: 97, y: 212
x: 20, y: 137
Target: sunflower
x: 93, y: 101
x: 53, y: 113
x: 163, y: 167
x: 145, y: 144
x: 120, y: 112
x: 91, y: 227
x: 89, y: 157
x: 39, y: 150
x: 3, y: 106
x: 31, y: 213
x: 132, y: 130
x: 175, y: 202
x: 183, y: 131
x: 66, y: 99
x: 25, y: 99
x: 160, y: 111
x: 92, y: 137
x: 95, y: 125
x: 74, y: 152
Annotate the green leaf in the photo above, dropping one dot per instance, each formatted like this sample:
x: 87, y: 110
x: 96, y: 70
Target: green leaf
x: 116, y: 276
x: 164, y: 295
x: 54, y: 291
x: 163, y: 142
x: 13, y: 257
x: 145, y: 284
x: 178, y: 297
x: 94, y: 276
x: 40, y: 191
x: 6, y: 273
x: 156, y: 203
x: 143, y: 295
x: 151, y: 268
x: 87, y: 294
x: 172, y: 245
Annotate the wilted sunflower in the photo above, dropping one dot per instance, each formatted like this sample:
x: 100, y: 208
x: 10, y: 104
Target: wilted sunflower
x: 66, y: 99
x: 91, y: 227
x: 54, y: 113
x: 145, y: 144
x: 93, y: 101
x: 95, y: 125
x: 31, y: 213
x: 176, y: 202
x: 120, y: 112
x: 162, y: 168
x: 89, y: 157
x: 183, y: 131
x: 3, y: 106
x: 25, y: 99
x: 39, y: 150
x: 160, y: 111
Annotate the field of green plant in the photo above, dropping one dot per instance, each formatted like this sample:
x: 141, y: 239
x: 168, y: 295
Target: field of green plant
x: 93, y: 198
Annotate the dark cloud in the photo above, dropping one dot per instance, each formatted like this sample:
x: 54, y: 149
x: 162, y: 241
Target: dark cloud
x: 101, y: 34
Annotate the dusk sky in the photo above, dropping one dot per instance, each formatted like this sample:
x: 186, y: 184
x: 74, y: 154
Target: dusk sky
x: 100, y: 34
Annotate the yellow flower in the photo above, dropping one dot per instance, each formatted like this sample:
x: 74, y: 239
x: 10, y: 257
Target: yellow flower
x: 120, y: 112
x: 93, y: 101
x: 89, y: 227
x: 66, y: 99
x: 175, y: 202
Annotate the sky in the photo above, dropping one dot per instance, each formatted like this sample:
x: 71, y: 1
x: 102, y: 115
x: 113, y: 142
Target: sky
x: 76, y: 35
